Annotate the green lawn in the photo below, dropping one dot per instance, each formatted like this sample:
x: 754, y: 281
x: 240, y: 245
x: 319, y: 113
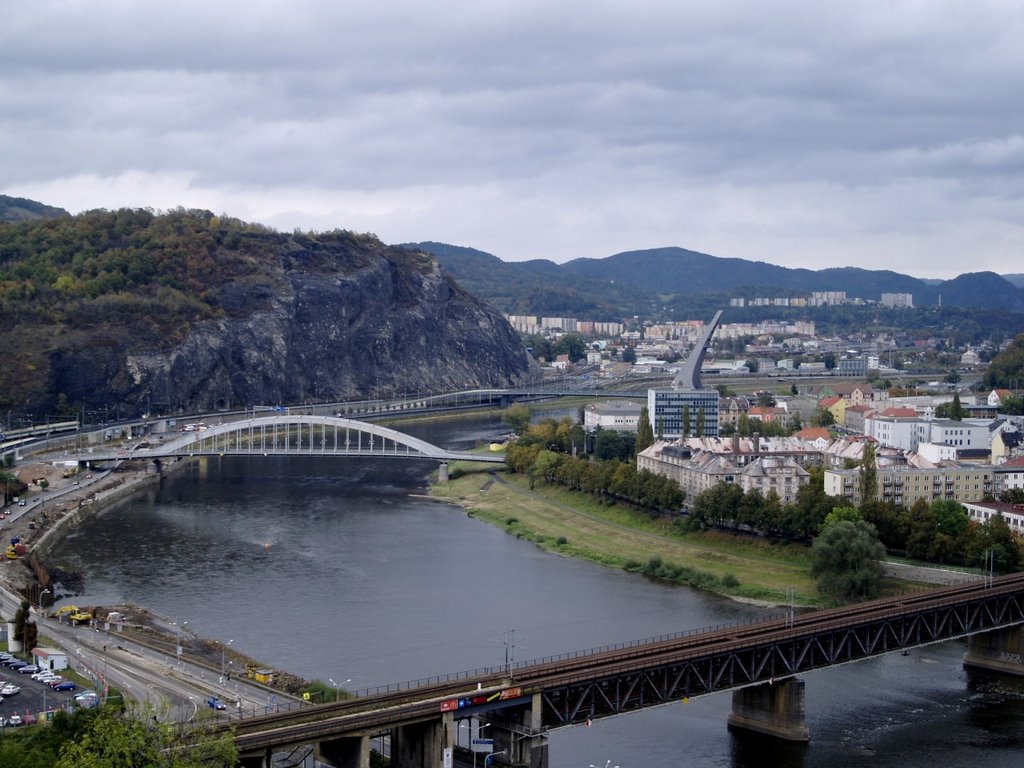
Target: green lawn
x: 579, y: 525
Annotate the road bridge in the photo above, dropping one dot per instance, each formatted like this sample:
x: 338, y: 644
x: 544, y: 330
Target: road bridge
x: 292, y: 435
x: 757, y: 660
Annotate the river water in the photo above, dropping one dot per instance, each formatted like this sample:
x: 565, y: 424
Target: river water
x: 331, y: 569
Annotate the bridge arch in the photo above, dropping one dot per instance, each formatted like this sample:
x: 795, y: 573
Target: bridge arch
x: 299, y: 435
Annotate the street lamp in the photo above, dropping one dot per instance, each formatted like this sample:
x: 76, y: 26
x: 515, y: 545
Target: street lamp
x: 337, y: 687
x: 223, y: 647
x: 490, y: 758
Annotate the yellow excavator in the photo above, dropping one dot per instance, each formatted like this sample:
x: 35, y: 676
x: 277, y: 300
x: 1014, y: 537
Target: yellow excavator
x: 75, y: 614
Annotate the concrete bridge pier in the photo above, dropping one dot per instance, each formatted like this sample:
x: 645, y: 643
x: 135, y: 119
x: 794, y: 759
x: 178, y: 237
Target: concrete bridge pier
x: 345, y: 752
x: 422, y: 745
x: 774, y: 708
x: 1000, y: 650
x: 442, y: 472
x: 518, y: 733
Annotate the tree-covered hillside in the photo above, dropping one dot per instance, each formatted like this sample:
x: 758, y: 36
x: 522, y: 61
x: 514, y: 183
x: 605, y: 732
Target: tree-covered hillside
x: 187, y: 310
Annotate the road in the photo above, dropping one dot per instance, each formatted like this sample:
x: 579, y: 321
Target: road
x: 176, y: 688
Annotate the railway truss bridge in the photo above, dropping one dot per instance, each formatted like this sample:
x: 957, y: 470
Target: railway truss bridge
x: 294, y: 435
x: 758, y: 661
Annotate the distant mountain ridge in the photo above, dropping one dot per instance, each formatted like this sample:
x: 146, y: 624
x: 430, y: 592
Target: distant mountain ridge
x: 660, y: 275
x: 15, y: 209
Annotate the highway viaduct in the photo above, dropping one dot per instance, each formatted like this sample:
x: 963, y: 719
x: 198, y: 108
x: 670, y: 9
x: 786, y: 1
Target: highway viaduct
x: 758, y: 661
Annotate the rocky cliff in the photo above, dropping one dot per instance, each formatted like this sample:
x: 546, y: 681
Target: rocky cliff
x: 204, y: 314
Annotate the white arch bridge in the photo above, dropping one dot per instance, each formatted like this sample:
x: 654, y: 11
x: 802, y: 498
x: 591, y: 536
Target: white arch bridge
x: 287, y: 435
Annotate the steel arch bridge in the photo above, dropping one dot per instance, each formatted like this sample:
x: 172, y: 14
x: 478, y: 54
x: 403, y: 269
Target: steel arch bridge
x: 288, y: 435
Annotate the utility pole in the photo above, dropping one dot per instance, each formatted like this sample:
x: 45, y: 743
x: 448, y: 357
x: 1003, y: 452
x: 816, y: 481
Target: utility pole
x: 509, y: 650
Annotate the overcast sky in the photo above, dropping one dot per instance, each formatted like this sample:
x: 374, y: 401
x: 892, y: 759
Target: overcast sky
x: 812, y: 134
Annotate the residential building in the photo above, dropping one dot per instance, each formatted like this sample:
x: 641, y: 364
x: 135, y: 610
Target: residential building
x: 699, y: 471
x: 904, y: 485
x: 1010, y: 475
x: 983, y: 511
x: 898, y: 300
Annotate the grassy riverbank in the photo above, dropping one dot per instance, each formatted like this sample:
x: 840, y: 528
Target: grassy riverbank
x: 579, y: 525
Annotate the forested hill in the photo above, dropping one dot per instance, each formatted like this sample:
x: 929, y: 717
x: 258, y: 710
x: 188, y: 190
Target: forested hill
x: 190, y: 311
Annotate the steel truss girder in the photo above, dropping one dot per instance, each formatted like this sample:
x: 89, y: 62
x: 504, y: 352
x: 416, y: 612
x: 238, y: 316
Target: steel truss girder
x: 736, y: 664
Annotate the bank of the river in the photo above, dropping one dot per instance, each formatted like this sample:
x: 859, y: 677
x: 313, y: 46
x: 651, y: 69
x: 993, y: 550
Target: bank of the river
x: 578, y: 525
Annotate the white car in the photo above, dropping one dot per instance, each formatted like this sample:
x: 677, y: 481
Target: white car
x: 9, y: 690
x: 43, y: 676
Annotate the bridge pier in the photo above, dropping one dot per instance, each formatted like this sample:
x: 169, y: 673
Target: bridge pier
x: 518, y: 732
x: 345, y: 752
x: 1000, y: 650
x: 775, y: 709
x: 442, y: 472
x: 422, y: 745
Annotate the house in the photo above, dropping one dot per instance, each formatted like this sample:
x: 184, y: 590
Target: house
x: 769, y: 414
x: 855, y: 416
x: 819, y: 437
x: 562, y: 363
x: 995, y: 397
x: 50, y: 658
x: 837, y: 405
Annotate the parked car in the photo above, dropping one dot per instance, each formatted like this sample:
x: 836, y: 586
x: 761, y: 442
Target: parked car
x: 16, y: 663
x: 66, y: 685
x: 214, y: 703
x: 29, y: 669
x: 87, y: 698
x: 14, y: 720
x: 41, y: 674
x: 9, y: 689
x: 55, y: 680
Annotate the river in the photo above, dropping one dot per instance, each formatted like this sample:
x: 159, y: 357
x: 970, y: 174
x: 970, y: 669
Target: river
x: 332, y: 570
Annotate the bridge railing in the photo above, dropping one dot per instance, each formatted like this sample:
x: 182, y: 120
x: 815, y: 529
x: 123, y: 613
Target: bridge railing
x: 568, y: 655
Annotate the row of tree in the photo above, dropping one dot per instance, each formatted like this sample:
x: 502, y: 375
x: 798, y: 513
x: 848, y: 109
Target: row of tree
x: 554, y: 452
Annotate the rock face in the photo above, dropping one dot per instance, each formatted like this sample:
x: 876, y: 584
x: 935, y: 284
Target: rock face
x: 324, y: 318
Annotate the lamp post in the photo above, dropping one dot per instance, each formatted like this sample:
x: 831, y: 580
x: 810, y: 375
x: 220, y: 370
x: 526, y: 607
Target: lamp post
x: 223, y: 648
x: 490, y: 758
x: 178, y: 631
x: 337, y: 687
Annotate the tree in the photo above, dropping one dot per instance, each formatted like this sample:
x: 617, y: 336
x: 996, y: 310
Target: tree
x: 795, y: 422
x: 868, y: 474
x: 700, y: 423
x: 823, y: 417
x: 956, y: 411
x: 687, y: 424
x: 644, y: 431
x: 629, y: 355
x: 517, y: 418
x: 138, y: 738
x: 845, y: 560
x: 572, y: 345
